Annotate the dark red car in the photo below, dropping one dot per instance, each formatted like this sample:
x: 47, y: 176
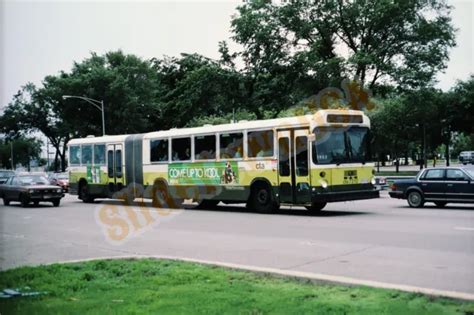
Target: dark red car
x: 60, y: 179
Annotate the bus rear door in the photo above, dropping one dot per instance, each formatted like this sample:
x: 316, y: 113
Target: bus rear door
x: 115, y: 167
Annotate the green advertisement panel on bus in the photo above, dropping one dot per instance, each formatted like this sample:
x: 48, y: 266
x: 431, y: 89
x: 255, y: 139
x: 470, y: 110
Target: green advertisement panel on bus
x: 205, y: 173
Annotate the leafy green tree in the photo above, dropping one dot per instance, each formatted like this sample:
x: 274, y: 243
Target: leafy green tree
x: 25, y: 149
x: 395, y: 42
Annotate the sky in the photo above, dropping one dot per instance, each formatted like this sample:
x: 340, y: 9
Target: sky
x: 39, y: 38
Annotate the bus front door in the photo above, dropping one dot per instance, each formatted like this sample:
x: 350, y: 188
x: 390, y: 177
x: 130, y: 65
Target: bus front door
x: 114, y: 167
x: 285, y: 169
x: 293, y: 167
x: 302, y: 189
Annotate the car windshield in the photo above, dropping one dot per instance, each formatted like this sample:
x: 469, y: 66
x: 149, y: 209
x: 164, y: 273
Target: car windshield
x: 470, y: 171
x: 32, y: 180
x: 6, y: 173
x: 340, y: 145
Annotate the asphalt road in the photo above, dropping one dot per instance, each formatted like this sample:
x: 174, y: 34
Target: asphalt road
x: 379, y: 240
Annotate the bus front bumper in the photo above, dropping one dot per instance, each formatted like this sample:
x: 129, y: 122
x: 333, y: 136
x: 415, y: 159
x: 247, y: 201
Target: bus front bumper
x: 330, y: 196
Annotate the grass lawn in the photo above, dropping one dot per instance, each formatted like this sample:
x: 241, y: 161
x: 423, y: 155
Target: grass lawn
x: 170, y: 287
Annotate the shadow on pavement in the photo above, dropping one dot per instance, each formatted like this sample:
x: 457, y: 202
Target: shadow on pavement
x: 300, y: 211
x: 433, y: 207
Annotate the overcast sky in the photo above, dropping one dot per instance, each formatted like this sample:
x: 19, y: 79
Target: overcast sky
x: 43, y: 37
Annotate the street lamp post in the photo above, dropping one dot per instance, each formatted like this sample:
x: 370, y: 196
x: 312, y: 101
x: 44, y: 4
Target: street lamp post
x: 95, y: 103
x: 11, y: 155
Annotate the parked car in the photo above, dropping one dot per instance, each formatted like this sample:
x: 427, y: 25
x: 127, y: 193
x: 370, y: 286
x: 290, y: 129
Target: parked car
x: 5, y: 174
x: 30, y: 188
x: 439, y: 185
x: 466, y: 157
x: 60, y: 179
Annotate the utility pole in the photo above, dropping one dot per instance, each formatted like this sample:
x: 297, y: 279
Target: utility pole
x: 47, y: 154
x: 11, y: 152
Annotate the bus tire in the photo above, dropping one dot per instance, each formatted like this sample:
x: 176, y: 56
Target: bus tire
x: 84, y: 193
x: 262, y: 199
x: 316, y: 207
x: 162, y: 198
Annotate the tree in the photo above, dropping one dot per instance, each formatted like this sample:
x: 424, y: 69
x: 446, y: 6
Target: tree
x: 128, y: 86
x: 194, y: 87
x: 395, y: 42
x: 25, y: 149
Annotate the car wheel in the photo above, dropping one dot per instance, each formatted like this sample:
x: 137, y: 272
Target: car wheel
x: 6, y: 202
x: 440, y: 204
x: 35, y: 203
x: 415, y: 199
x: 24, y: 200
x: 316, y: 207
x: 56, y: 202
x: 262, y: 200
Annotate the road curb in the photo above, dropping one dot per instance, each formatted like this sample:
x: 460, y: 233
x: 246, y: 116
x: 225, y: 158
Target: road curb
x: 297, y: 274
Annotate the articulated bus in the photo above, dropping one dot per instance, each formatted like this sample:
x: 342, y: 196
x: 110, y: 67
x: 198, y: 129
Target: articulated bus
x: 306, y: 160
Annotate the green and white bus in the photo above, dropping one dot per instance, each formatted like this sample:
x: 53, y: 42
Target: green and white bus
x: 306, y: 160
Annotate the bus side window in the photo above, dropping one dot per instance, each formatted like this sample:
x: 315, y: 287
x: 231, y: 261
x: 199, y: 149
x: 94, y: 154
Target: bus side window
x: 260, y: 144
x: 231, y: 145
x: 205, y: 147
x: 86, y: 154
x: 181, y: 149
x: 75, y: 155
x: 159, y: 150
x: 99, y: 154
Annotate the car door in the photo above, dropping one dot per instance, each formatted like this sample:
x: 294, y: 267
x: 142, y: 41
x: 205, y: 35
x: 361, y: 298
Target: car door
x: 6, y: 187
x: 433, y: 184
x: 459, y: 186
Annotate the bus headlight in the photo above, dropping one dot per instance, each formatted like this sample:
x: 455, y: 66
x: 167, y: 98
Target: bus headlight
x: 324, y: 184
x: 372, y: 181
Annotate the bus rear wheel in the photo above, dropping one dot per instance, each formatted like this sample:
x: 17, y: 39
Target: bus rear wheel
x: 316, y: 207
x: 162, y: 198
x: 84, y: 194
x: 262, y: 199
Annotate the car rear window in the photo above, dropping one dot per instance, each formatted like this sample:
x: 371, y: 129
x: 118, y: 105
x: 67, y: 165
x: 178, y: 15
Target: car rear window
x: 434, y: 175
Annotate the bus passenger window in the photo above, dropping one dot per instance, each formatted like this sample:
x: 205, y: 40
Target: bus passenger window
x: 159, y: 150
x: 75, y: 155
x: 86, y: 154
x: 260, y: 143
x: 181, y: 149
x: 232, y: 145
x: 205, y: 147
x: 99, y: 154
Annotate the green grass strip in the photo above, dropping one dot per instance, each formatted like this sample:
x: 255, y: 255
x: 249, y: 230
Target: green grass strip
x: 148, y: 286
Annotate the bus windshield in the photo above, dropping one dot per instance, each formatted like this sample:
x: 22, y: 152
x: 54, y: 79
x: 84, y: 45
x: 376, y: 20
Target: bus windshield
x: 336, y: 145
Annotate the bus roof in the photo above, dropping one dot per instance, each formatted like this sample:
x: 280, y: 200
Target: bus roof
x: 319, y: 119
